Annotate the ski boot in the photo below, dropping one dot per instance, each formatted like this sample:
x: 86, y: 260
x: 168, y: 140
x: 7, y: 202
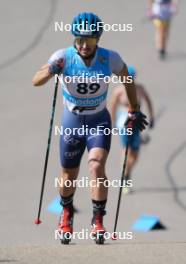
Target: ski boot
x: 65, y: 226
x: 97, y: 229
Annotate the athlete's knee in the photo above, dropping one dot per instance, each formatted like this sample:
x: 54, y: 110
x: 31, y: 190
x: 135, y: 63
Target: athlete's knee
x: 96, y: 167
x: 69, y: 174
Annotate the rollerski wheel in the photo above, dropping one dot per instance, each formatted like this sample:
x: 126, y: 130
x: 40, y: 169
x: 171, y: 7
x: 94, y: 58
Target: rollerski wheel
x: 66, y: 238
x: 99, y: 238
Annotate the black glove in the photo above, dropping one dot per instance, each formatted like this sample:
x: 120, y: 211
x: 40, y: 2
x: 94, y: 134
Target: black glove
x: 56, y: 67
x: 136, y: 120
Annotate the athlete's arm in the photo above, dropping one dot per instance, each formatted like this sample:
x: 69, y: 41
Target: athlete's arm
x: 42, y: 76
x: 148, y: 101
x: 54, y: 66
x: 114, y: 104
x: 135, y: 117
x: 130, y: 90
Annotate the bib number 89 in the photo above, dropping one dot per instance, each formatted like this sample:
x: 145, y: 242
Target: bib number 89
x: 84, y: 88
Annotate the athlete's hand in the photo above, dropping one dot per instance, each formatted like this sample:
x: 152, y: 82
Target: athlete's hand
x: 136, y: 120
x: 56, y: 67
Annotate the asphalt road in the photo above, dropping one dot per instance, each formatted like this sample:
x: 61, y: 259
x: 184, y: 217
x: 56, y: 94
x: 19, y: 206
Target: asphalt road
x: 27, y: 40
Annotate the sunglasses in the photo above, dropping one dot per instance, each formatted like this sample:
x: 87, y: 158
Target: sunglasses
x: 84, y: 40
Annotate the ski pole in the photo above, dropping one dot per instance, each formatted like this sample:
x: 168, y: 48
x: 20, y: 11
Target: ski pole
x: 37, y: 220
x: 120, y: 190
